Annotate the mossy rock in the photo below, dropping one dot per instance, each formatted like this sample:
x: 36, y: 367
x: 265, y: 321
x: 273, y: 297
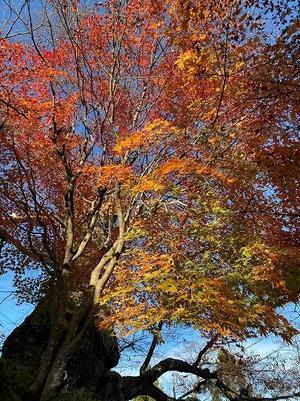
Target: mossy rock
x: 97, y: 354
x: 15, y: 380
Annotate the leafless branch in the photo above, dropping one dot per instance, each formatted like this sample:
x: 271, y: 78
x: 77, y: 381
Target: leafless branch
x: 203, y: 351
x: 153, y: 345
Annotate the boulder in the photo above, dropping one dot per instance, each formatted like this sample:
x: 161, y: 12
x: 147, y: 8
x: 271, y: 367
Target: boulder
x: 24, y: 347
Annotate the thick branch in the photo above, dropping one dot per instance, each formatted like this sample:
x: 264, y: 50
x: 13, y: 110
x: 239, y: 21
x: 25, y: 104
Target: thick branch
x: 69, y: 223
x: 144, y: 384
x: 109, y: 260
x: 171, y: 364
x: 91, y: 226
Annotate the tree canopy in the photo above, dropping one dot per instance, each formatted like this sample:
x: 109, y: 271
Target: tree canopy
x: 150, y: 169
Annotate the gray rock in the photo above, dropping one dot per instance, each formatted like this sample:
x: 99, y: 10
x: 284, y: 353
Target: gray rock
x: 97, y: 354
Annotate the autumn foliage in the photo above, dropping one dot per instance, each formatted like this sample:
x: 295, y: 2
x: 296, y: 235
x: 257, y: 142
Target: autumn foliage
x: 149, y: 151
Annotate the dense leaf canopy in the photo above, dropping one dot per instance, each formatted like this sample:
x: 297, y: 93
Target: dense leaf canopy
x: 183, y: 117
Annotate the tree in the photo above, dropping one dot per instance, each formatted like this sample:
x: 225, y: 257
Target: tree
x: 149, y: 166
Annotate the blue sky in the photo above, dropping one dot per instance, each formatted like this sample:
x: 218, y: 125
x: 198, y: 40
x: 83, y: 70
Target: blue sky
x: 11, y: 314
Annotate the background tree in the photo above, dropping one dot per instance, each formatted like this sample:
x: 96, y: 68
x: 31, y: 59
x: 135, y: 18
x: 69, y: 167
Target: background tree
x: 149, y: 167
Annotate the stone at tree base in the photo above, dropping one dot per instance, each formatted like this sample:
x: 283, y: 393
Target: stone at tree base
x: 23, y: 348
x: 109, y: 387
